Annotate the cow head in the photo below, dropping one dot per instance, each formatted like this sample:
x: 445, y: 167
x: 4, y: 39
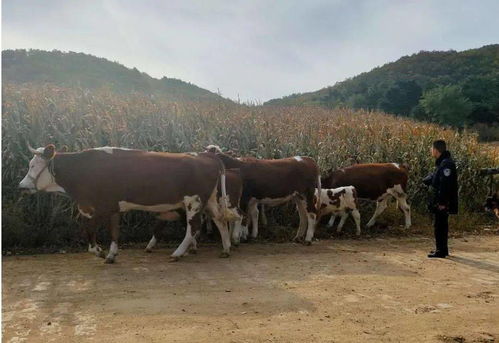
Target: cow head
x: 213, y: 149
x: 492, y: 204
x: 40, y: 176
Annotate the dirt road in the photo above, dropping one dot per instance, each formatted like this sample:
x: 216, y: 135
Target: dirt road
x: 379, y: 290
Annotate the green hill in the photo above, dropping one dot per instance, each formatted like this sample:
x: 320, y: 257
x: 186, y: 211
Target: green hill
x: 70, y: 69
x: 440, y: 76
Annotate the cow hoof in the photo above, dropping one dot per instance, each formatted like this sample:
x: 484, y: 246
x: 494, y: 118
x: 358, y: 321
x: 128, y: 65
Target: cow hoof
x: 298, y: 240
x: 101, y: 254
x: 224, y: 254
x: 193, y: 251
x: 109, y: 260
x: 307, y: 243
x: 148, y: 251
x: 174, y: 259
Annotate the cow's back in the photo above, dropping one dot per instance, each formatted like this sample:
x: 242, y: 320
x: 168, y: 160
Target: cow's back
x: 370, y: 180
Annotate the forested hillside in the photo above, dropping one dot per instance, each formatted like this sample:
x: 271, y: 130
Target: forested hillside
x: 446, y: 87
x: 70, y: 69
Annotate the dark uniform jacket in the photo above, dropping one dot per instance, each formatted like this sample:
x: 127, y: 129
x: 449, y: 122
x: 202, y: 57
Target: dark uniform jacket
x: 444, y: 183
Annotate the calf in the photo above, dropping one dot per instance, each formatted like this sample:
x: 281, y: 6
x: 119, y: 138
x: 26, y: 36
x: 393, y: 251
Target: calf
x: 234, y: 192
x: 377, y: 182
x: 492, y: 204
x: 108, y: 181
x: 274, y: 182
x: 339, y: 201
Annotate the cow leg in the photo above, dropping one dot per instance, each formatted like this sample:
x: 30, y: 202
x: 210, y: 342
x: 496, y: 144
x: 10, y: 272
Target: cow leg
x: 380, y: 207
x: 301, y: 206
x: 331, y: 221
x: 114, y: 227
x: 311, y: 217
x: 404, y: 207
x: 343, y: 219
x: 213, y: 207
x: 91, y: 231
x: 154, y: 239
x: 236, y: 231
x: 263, y: 216
x: 193, y: 208
x: 253, y: 214
x: 356, y: 218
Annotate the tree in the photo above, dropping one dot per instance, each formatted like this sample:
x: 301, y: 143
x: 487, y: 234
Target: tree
x: 447, y: 105
x: 401, y: 97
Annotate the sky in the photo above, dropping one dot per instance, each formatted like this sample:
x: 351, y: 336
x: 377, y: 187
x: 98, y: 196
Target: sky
x: 250, y: 50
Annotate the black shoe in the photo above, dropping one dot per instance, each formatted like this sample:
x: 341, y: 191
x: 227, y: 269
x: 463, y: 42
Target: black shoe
x: 434, y: 251
x: 436, y: 254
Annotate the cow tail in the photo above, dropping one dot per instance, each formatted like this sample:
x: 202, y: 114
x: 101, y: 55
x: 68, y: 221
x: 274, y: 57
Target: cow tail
x: 227, y: 214
x: 319, y: 191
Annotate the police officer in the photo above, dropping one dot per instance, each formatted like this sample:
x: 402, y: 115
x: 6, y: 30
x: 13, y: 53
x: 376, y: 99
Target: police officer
x: 445, y: 198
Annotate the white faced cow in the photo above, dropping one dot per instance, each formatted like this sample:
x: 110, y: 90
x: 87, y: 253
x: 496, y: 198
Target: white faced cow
x: 107, y: 181
x: 374, y: 181
x: 274, y: 182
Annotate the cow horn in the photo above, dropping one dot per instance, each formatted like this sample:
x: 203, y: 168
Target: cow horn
x: 33, y: 150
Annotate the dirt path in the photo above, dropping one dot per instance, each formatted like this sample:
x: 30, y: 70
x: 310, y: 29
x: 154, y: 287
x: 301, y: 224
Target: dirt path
x: 334, y: 291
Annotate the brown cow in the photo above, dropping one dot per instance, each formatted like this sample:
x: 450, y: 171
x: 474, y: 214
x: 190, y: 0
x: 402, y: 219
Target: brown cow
x: 274, y: 182
x: 234, y: 192
x: 107, y: 181
x: 374, y: 181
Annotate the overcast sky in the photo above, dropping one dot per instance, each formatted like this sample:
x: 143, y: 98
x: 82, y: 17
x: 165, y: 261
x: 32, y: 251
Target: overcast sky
x: 256, y: 50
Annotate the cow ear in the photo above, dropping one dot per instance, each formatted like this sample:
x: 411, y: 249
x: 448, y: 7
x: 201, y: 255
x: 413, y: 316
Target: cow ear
x: 64, y: 149
x: 49, y: 152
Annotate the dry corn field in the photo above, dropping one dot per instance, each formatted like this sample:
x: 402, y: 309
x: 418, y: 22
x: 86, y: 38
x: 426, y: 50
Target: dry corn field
x: 82, y: 119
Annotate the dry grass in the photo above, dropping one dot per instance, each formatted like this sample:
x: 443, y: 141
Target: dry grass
x: 81, y: 119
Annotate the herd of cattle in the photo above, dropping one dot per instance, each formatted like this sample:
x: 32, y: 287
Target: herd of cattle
x: 107, y: 181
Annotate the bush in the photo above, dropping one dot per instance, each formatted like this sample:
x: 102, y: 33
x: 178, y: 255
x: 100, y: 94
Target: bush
x: 82, y: 119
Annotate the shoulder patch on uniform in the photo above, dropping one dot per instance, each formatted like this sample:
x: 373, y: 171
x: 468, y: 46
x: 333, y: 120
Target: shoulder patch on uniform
x: 447, y: 172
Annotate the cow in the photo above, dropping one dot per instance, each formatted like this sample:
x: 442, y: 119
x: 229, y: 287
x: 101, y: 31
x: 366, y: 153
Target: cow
x: 104, y: 182
x: 234, y: 192
x: 374, y: 181
x: 339, y: 201
x: 274, y: 182
x: 492, y: 203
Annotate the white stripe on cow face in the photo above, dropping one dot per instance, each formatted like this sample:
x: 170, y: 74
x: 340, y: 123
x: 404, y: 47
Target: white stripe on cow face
x: 39, y: 173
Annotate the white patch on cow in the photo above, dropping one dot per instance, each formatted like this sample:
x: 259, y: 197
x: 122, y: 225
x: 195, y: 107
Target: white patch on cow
x: 95, y: 250
x: 347, y: 204
x: 87, y: 215
x: 276, y: 201
x: 113, y: 251
x: 151, y: 243
x: 192, y: 206
x: 128, y: 206
x: 311, y: 217
x: 396, y: 165
x: 298, y: 158
x: 109, y: 149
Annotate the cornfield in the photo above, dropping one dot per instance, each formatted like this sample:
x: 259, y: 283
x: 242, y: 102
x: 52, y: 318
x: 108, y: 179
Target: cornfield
x: 81, y: 119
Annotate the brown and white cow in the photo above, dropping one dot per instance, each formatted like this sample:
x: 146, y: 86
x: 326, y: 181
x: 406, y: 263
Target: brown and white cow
x: 375, y: 181
x: 107, y: 181
x: 234, y: 185
x: 274, y: 182
x: 492, y: 204
x: 339, y: 201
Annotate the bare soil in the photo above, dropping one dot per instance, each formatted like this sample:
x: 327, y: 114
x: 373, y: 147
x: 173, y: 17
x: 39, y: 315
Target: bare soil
x: 377, y: 290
